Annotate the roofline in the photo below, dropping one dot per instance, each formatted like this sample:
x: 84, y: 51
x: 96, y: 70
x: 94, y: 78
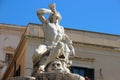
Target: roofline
x: 65, y: 28
x: 35, y: 24
x: 81, y: 30
x: 12, y: 25
x: 93, y: 32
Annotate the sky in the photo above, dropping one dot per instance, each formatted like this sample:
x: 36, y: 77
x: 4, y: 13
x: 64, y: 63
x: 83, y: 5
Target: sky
x: 92, y: 15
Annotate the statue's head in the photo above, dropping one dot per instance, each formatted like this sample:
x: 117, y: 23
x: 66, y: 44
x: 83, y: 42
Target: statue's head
x: 57, y: 66
x: 55, y: 17
x: 54, y: 66
x: 52, y: 6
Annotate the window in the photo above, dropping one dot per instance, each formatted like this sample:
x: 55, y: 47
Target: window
x: 8, y: 57
x: 86, y: 72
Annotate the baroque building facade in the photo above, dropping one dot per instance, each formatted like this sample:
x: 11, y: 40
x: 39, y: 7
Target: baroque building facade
x: 10, y: 36
x: 97, y: 54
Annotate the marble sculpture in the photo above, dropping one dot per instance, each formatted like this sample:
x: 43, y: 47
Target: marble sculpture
x: 53, y: 55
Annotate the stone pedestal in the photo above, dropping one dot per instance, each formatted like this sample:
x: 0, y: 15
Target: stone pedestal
x: 22, y: 78
x: 51, y: 76
x: 58, y: 76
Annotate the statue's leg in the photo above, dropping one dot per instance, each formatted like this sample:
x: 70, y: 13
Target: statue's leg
x: 38, y: 53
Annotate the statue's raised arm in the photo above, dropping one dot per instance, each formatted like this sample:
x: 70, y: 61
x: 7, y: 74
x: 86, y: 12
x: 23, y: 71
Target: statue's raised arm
x: 41, y: 12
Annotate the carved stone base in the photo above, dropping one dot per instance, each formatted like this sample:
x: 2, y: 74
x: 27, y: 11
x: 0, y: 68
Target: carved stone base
x: 51, y: 76
x: 22, y: 78
x: 58, y: 76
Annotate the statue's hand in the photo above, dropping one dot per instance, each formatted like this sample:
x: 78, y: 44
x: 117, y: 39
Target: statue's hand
x: 72, y: 50
x: 52, y: 7
x: 72, y: 53
x: 44, y: 11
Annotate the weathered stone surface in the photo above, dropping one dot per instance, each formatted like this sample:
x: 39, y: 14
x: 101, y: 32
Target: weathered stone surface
x: 22, y: 78
x: 51, y: 76
x: 58, y: 76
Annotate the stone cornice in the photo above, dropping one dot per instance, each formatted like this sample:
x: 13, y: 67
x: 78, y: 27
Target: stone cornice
x: 82, y: 43
x: 83, y: 59
x: 35, y: 37
x: 95, y: 45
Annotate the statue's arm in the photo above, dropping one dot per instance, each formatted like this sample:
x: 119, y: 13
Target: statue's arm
x: 68, y: 39
x: 69, y: 43
x: 41, y: 12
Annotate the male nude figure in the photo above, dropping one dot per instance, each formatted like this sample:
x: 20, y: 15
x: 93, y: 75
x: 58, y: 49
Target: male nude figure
x: 55, y: 39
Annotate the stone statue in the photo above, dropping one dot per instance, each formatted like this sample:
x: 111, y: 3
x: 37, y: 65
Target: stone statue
x: 53, y: 55
x: 56, y: 41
